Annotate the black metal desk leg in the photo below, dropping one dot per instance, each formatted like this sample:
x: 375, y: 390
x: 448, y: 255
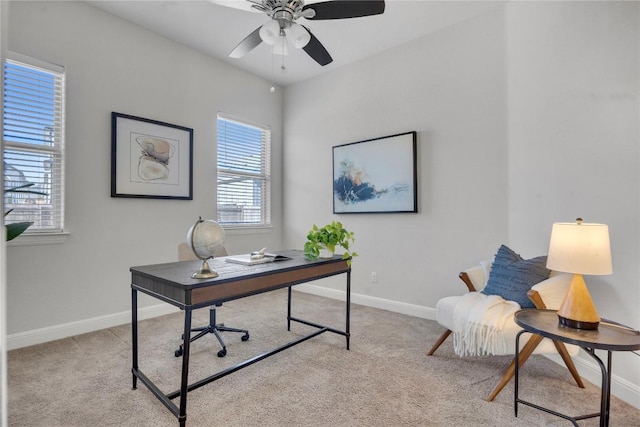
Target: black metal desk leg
x: 186, y: 341
x: 134, y: 336
x: 348, y: 307
x: 289, y: 308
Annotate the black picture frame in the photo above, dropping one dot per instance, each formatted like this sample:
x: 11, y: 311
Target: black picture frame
x: 150, y: 159
x: 376, y: 175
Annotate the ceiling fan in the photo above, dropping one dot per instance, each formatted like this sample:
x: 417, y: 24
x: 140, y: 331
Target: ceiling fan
x: 283, y: 25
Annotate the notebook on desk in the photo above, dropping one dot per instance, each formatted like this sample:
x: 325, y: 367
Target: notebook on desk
x: 245, y: 259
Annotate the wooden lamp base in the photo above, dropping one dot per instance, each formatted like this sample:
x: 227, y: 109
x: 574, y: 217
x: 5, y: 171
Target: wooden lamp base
x: 577, y: 309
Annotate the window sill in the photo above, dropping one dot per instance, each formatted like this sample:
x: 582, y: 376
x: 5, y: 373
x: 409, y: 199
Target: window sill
x: 230, y: 229
x: 35, y: 239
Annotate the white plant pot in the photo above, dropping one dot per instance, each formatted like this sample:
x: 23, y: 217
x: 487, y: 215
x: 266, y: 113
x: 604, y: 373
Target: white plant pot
x: 325, y: 253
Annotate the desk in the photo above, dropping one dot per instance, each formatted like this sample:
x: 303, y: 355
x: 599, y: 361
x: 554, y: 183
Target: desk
x: 609, y: 336
x: 173, y: 284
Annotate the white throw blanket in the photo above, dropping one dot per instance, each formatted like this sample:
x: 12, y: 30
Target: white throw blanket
x: 478, y: 323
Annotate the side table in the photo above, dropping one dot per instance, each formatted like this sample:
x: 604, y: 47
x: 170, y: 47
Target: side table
x: 609, y: 336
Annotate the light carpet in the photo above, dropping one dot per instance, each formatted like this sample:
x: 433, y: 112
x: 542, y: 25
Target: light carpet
x: 384, y: 380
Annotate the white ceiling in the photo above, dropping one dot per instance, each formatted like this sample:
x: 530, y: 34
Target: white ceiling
x: 215, y: 30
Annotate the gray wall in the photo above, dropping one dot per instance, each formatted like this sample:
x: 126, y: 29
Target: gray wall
x: 112, y: 65
x: 526, y: 115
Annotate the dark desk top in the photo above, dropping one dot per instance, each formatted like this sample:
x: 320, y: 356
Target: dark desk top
x: 606, y: 337
x: 172, y: 282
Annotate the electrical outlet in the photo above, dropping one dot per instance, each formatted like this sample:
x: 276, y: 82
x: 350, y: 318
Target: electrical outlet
x: 374, y: 277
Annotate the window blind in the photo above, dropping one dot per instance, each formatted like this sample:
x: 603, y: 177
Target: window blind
x: 244, y: 173
x: 33, y: 135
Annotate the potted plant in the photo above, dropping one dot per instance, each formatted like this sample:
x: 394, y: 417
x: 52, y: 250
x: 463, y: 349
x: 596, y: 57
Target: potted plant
x: 327, y: 238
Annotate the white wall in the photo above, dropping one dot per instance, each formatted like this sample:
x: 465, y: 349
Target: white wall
x: 112, y: 65
x: 574, y: 117
x: 450, y: 88
x: 525, y: 116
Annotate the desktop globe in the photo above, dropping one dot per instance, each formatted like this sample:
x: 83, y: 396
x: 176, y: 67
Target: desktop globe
x: 205, y: 238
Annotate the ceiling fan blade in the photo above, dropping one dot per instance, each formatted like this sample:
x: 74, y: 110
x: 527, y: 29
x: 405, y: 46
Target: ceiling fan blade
x: 316, y: 50
x: 246, y: 45
x: 340, y: 9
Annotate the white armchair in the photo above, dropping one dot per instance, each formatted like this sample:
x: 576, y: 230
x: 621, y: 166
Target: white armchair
x: 546, y: 294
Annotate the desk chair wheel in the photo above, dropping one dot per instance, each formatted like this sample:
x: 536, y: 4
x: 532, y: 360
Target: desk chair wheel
x: 223, y: 352
x: 178, y: 352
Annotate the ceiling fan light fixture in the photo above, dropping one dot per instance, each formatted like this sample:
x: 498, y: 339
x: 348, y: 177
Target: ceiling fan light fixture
x: 282, y: 25
x: 270, y: 32
x: 299, y: 37
x: 280, y: 48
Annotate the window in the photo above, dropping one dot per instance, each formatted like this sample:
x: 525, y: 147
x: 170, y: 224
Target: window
x: 33, y: 135
x: 244, y: 173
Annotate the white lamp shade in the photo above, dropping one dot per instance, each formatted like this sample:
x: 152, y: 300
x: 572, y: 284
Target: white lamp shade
x: 270, y: 32
x: 580, y: 248
x: 298, y: 36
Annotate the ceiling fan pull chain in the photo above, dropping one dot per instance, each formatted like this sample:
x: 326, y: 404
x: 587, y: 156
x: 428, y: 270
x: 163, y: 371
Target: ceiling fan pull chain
x: 272, y: 89
x: 283, y: 56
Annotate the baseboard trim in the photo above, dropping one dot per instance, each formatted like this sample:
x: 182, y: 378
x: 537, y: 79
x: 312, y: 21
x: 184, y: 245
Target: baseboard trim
x: 620, y: 387
x: 369, y: 301
x: 51, y: 333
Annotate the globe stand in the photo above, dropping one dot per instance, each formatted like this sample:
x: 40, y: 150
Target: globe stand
x: 205, y: 239
x: 205, y: 271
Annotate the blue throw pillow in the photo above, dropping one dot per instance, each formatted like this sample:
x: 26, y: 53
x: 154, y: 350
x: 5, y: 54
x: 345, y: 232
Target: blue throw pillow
x: 511, y: 276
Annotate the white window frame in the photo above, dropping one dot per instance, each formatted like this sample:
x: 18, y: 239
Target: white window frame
x: 42, y: 232
x: 231, y: 217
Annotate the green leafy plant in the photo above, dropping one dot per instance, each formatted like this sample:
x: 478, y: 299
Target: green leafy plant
x: 17, y: 228
x: 329, y: 237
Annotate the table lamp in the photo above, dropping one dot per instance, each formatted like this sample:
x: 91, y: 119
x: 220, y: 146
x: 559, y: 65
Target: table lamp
x: 579, y: 248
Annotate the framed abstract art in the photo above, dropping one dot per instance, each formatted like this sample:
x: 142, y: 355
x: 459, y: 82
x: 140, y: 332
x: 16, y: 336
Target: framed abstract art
x: 376, y: 176
x: 150, y: 159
